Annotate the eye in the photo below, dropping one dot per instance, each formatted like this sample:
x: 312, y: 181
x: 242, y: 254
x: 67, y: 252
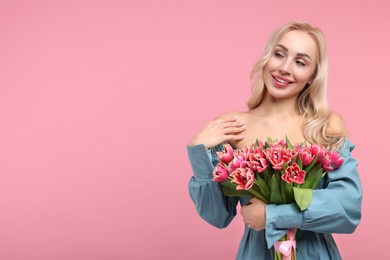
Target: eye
x: 278, y: 54
x: 300, y: 63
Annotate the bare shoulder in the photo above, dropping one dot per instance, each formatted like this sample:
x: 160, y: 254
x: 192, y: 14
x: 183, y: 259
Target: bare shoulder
x: 336, y: 123
x: 241, y: 116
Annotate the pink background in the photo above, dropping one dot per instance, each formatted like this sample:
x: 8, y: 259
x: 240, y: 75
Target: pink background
x: 99, y: 98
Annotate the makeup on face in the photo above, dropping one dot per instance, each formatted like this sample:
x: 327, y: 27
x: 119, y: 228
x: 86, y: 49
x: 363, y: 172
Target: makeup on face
x: 291, y: 65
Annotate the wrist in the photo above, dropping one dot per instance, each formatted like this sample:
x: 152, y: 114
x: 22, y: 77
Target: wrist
x: 195, y: 141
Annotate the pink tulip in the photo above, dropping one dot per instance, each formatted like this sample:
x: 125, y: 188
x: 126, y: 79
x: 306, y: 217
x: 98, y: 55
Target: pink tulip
x: 294, y: 174
x: 278, y: 144
x: 306, y: 158
x: 258, y: 165
x: 227, y: 155
x: 220, y: 173
x: 336, y: 160
x: 258, y: 153
x: 327, y: 165
x: 306, y: 154
x: 330, y: 160
x: 239, y: 161
x: 247, y: 150
x: 278, y: 156
x: 315, y: 149
x: 282, y: 143
x: 244, y: 178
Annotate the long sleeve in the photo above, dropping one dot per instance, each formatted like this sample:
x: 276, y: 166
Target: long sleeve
x: 210, y: 203
x: 335, y: 208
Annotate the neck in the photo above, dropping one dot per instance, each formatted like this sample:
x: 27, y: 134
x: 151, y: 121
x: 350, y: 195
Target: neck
x: 273, y: 107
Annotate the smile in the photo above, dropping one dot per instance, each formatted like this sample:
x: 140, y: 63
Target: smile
x: 280, y: 81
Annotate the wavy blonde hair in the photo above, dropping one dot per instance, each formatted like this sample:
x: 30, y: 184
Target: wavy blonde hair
x: 312, y: 100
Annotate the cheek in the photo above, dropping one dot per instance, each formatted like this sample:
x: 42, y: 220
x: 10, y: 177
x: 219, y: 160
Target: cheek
x: 266, y: 75
x: 269, y: 67
x: 303, y: 76
x: 272, y: 64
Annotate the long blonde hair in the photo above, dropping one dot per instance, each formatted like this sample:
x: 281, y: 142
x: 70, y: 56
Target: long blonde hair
x: 312, y: 100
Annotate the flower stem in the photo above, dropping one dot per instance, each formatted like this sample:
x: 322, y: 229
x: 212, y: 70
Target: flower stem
x: 258, y: 195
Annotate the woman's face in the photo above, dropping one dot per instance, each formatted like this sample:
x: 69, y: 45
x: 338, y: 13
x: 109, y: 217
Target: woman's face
x: 291, y: 65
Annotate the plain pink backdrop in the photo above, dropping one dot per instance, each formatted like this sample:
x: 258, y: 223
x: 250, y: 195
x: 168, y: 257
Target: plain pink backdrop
x: 99, y: 98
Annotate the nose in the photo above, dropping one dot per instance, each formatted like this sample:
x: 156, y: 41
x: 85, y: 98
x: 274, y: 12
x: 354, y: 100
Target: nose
x: 285, y: 67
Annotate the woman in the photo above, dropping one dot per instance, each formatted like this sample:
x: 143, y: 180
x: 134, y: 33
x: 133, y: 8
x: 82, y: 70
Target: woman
x: 288, y: 98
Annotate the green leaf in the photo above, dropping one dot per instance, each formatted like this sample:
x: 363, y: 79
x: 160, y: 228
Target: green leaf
x: 308, y: 168
x: 313, y: 179
x: 265, y: 190
x: 256, y: 143
x: 299, y: 161
x: 313, y: 170
x: 283, y: 191
x: 276, y: 197
x: 229, y: 189
x: 278, y: 255
x: 303, y: 197
x: 266, y: 175
x: 257, y: 193
x: 289, y: 145
x: 289, y: 193
x: 278, y: 177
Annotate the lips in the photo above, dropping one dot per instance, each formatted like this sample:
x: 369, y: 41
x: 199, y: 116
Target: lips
x: 281, y: 81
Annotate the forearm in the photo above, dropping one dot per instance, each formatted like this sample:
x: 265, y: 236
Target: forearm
x: 210, y: 203
x: 336, y: 208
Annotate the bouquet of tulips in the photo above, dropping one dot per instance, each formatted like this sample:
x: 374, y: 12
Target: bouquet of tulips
x: 275, y: 172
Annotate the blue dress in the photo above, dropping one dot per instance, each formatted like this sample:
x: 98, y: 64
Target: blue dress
x: 335, y: 208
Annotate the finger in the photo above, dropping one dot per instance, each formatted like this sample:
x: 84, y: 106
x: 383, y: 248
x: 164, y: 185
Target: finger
x: 234, y: 137
x: 234, y: 130
x: 255, y: 200
x: 229, y: 119
x: 228, y: 124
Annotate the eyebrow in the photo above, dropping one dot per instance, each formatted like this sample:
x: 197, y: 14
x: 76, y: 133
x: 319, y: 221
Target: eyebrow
x: 298, y: 54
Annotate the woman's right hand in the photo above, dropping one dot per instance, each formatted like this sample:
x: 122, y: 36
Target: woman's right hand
x: 222, y: 129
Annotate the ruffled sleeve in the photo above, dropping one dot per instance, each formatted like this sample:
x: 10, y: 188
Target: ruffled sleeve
x: 210, y: 203
x: 334, y: 209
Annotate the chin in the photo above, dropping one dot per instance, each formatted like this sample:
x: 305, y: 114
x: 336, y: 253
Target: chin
x: 281, y: 93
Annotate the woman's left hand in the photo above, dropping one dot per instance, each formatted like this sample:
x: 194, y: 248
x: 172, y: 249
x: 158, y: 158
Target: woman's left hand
x: 253, y: 214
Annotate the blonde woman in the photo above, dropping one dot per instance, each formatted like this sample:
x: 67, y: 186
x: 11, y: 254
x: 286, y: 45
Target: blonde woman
x: 288, y: 98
